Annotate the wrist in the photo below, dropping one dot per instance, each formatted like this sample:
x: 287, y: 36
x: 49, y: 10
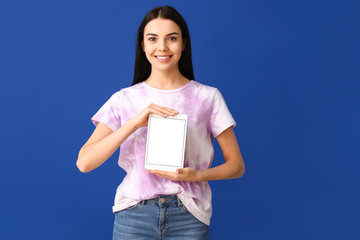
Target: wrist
x: 199, y: 175
x: 132, y: 124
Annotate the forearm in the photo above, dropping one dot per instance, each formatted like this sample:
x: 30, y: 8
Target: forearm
x: 92, y: 156
x: 227, y: 170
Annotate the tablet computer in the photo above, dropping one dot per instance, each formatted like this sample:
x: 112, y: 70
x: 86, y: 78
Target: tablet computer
x: 165, y: 145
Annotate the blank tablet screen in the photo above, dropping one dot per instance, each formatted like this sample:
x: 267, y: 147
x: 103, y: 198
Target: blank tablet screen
x: 165, y: 142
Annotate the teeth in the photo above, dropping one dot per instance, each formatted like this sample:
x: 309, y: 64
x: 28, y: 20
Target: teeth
x: 162, y: 58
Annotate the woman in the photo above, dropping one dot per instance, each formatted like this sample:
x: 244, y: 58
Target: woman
x: 152, y: 204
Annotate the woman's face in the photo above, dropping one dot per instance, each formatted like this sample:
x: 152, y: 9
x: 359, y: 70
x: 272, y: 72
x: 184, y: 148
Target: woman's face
x: 163, y: 44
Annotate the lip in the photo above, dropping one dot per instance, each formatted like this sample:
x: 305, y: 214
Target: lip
x: 163, y: 60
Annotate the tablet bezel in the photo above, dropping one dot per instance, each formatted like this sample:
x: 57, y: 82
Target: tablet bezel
x: 171, y: 168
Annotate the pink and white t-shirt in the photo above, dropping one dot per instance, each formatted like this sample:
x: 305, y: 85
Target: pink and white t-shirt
x: 208, y: 116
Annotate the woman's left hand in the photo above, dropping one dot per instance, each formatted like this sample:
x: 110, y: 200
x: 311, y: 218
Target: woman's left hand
x: 181, y: 174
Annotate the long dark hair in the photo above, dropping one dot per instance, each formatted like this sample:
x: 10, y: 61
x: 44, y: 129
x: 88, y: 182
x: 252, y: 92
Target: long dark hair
x: 142, y: 65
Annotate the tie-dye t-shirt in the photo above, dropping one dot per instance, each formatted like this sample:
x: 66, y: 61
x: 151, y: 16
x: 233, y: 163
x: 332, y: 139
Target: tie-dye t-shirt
x: 208, y: 116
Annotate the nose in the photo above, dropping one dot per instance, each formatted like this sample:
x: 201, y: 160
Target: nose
x: 163, y: 45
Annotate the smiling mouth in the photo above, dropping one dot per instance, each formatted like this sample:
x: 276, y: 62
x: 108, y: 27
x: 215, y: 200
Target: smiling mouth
x: 163, y: 57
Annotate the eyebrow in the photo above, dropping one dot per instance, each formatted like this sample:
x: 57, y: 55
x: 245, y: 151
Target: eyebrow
x: 153, y: 34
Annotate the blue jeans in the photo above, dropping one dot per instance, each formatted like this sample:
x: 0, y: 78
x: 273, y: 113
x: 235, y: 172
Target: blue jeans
x: 163, y: 217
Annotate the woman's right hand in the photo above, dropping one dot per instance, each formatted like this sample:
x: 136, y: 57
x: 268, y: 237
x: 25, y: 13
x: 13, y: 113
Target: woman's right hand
x: 141, y: 120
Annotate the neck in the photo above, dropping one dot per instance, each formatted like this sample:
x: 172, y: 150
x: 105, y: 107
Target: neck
x: 166, y: 79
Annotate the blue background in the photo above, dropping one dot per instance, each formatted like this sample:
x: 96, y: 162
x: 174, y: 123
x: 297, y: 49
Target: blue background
x: 289, y: 72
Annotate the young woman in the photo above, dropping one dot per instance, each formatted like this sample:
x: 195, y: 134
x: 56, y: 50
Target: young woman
x: 152, y: 204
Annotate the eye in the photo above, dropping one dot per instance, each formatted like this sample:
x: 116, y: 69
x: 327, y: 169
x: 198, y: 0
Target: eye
x: 172, y: 38
x: 152, y: 39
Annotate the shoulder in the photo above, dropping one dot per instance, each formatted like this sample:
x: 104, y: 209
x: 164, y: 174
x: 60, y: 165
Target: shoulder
x: 207, y: 91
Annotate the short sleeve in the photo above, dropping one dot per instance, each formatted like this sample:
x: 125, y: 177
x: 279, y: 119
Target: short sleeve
x: 220, y: 117
x: 109, y: 113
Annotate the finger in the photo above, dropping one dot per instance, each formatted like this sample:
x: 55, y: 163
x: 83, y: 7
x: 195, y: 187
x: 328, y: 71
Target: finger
x: 166, y: 110
x: 164, y: 174
x: 159, y: 113
x: 154, y: 171
x: 152, y: 109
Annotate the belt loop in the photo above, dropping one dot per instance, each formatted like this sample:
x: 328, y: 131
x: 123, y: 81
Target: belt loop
x: 143, y: 202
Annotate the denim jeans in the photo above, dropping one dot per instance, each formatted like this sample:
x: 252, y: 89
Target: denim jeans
x: 163, y: 217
